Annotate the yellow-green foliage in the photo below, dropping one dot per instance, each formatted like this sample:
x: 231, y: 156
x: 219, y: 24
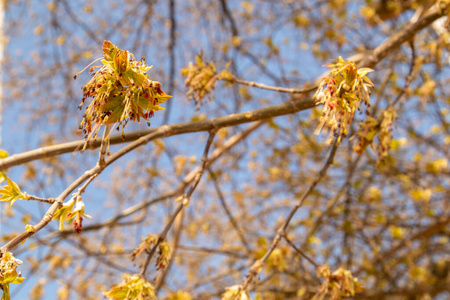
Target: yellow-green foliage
x: 202, y: 78
x: 341, y: 93
x: 132, y: 287
x: 121, y: 91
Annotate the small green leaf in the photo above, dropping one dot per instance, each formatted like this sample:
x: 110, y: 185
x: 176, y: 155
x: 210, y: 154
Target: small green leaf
x: 109, y: 50
x: 132, y: 287
x: 11, y: 192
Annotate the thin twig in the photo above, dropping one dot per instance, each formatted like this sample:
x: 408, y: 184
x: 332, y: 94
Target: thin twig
x: 425, y: 233
x: 410, y: 75
x: 46, y: 200
x: 274, y: 88
x: 226, y: 11
x: 183, y: 203
x: 256, y: 268
x: 82, y: 189
x: 235, y: 34
x: 171, y: 51
x: 232, y: 253
x: 316, y: 265
x: 113, y: 222
x: 229, y: 214
x: 104, y: 145
x: 86, y: 28
x: 215, y: 277
x: 332, y: 202
x: 177, y: 236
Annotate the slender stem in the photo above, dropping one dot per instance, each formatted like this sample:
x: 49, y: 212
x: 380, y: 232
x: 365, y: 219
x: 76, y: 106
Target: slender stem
x: 231, y: 253
x: 46, y: 200
x: 104, y: 145
x: 309, y: 259
x: 273, y: 88
x: 229, y: 214
x: 332, y: 202
x: 177, y: 234
x: 171, y: 51
x: 256, y: 268
x: 82, y: 189
x: 410, y: 75
x: 183, y: 203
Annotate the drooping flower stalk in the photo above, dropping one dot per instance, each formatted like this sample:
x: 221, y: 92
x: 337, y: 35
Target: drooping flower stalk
x: 341, y: 93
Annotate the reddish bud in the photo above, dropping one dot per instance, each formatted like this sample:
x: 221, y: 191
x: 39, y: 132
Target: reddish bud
x: 77, y: 224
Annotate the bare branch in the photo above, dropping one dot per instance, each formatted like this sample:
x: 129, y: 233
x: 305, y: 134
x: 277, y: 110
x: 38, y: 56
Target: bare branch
x: 104, y: 145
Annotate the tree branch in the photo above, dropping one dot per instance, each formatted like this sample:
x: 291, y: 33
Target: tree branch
x: 402, y: 36
x: 185, y: 199
x: 370, y: 58
x: 302, y: 254
x: 104, y: 145
x: 230, y: 215
x: 256, y: 268
x: 171, y: 51
x: 217, y: 153
x: 34, y: 198
x: 273, y: 88
x: 169, y: 130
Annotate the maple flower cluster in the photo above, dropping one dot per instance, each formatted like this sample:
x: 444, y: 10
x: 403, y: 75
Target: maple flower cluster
x: 341, y: 93
x: 338, y: 284
x: 202, y: 77
x: 9, y: 273
x: 164, y: 252
x: 73, y: 209
x: 372, y: 127
x: 11, y: 192
x: 235, y: 292
x: 121, y: 92
x: 132, y: 287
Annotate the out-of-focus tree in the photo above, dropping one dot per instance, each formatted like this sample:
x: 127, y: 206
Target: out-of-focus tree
x: 303, y: 153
